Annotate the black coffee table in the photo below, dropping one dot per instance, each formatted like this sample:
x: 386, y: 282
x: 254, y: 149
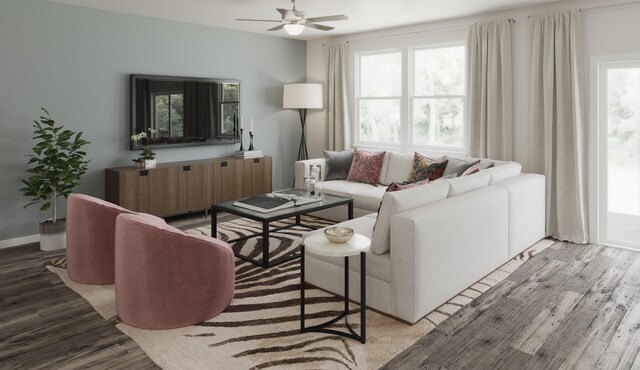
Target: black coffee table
x: 328, y: 201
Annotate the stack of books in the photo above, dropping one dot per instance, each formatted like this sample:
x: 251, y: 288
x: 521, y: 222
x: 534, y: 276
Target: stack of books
x: 248, y: 153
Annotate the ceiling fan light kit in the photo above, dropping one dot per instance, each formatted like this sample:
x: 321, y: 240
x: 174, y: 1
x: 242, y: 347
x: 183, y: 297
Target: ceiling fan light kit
x: 294, y: 21
x: 293, y: 29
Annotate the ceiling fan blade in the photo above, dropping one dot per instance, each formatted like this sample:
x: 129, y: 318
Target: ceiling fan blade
x: 257, y: 20
x: 298, y: 13
x: 278, y: 27
x: 318, y: 26
x: 340, y: 17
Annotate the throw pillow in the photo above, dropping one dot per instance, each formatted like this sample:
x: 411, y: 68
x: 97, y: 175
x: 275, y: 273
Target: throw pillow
x: 426, y: 168
x: 366, y: 167
x: 338, y: 164
x: 474, y: 168
x: 456, y: 166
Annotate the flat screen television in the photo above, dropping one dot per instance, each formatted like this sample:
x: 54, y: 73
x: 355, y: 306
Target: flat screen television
x: 184, y: 111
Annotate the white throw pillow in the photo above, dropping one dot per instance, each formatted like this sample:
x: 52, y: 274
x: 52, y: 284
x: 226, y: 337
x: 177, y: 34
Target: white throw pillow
x: 400, y: 201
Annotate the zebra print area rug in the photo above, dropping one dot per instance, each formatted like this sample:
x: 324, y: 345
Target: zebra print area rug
x: 260, y: 329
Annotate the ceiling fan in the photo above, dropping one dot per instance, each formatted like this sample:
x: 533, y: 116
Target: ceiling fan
x: 294, y: 21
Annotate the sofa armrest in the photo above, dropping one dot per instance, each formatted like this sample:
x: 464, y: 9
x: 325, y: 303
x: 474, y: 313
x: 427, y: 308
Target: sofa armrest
x: 303, y: 168
x: 440, y: 249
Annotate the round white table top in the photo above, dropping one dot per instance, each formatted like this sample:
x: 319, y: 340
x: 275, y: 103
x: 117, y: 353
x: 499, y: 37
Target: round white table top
x: 319, y: 244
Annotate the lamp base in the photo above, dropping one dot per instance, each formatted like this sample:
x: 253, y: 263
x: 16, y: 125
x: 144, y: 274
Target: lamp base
x: 303, y: 155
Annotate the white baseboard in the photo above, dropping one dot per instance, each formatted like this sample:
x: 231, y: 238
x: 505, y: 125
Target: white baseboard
x: 8, y: 243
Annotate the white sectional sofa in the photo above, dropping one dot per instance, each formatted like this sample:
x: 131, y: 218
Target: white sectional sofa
x: 432, y: 241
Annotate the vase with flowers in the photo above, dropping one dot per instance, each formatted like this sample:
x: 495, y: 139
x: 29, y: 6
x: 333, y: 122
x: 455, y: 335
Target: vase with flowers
x: 146, y: 157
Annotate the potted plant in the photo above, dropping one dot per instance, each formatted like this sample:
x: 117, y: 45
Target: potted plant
x: 146, y: 158
x: 55, y: 167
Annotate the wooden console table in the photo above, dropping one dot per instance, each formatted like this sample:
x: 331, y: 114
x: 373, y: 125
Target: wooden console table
x: 182, y: 187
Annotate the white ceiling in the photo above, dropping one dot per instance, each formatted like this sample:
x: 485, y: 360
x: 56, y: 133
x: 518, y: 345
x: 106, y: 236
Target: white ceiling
x: 364, y: 15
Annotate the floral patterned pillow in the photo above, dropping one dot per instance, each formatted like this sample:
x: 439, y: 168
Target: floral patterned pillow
x: 426, y: 168
x: 366, y: 167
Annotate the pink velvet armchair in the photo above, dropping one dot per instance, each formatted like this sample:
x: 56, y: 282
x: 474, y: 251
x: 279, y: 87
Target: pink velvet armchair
x: 166, y: 278
x: 91, y: 224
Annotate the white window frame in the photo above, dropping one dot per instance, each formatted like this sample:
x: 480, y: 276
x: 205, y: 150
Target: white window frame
x: 358, y: 98
x: 598, y: 144
x: 465, y: 127
x: 406, y: 100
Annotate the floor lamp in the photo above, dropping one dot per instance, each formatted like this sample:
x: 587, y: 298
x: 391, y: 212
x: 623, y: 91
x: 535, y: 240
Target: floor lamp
x: 302, y: 97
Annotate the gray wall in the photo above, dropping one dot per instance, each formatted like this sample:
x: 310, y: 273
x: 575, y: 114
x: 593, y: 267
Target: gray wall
x: 76, y: 62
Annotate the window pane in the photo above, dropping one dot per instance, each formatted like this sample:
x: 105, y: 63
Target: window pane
x: 438, y: 122
x: 439, y: 71
x: 229, y: 111
x: 230, y: 92
x: 380, y: 120
x: 162, y: 115
x: 381, y: 75
x: 177, y: 114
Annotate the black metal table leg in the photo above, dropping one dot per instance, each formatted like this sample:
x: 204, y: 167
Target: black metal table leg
x: 302, y: 283
x: 214, y: 222
x: 350, y: 211
x: 322, y: 328
x: 363, y: 297
x: 265, y: 244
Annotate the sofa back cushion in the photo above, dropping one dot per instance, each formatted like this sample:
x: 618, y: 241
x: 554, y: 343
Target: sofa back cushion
x: 503, y: 172
x: 397, y: 168
x: 400, y: 201
x: 461, y: 185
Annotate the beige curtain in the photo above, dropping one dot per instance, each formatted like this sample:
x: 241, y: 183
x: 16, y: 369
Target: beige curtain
x: 335, y: 61
x: 558, y: 121
x: 490, y: 90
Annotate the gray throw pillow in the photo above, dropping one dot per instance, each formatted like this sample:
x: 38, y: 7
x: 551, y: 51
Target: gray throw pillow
x: 338, y: 164
x: 456, y: 166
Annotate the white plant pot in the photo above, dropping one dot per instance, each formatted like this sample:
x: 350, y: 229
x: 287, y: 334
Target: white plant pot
x: 53, y: 236
x: 149, y: 163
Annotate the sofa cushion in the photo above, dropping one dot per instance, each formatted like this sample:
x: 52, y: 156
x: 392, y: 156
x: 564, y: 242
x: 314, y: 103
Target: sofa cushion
x: 338, y: 164
x: 457, y: 166
x: 343, y: 188
x: 504, y: 171
x: 400, y: 201
x: 366, y: 167
x: 377, y: 266
x: 426, y: 168
x: 368, y: 199
x: 461, y: 185
x: 397, y: 169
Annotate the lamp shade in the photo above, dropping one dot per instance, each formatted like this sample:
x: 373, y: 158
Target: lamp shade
x: 303, y: 96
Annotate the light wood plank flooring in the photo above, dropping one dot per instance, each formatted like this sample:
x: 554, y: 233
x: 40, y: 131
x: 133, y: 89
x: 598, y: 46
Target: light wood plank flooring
x: 571, y: 307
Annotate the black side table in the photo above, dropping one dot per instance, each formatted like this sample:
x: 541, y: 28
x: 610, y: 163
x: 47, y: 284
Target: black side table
x: 319, y: 245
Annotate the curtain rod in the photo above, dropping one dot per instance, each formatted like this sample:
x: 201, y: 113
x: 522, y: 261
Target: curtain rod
x: 606, y: 6
x: 511, y: 20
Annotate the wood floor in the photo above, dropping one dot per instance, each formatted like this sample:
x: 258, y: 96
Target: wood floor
x: 44, y: 324
x: 569, y: 307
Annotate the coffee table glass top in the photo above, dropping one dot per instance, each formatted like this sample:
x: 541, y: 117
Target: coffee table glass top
x: 327, y: 201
